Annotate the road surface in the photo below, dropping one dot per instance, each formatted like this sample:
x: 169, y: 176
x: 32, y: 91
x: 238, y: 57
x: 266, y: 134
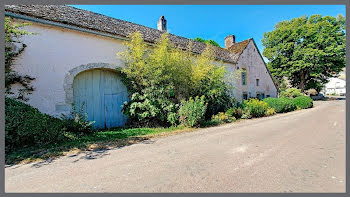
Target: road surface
x: 301, y: 151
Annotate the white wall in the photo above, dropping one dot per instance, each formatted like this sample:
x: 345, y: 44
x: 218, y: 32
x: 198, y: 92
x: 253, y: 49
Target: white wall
x: 52, y: 53
x: 254, y: 65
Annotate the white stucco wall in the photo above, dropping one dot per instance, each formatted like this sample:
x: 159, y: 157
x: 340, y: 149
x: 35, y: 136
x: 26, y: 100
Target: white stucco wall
x: 255, y: 68
x: 52, y: 53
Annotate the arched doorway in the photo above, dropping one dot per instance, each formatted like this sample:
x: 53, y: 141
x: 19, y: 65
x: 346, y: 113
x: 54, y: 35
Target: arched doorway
x: 103, y: 93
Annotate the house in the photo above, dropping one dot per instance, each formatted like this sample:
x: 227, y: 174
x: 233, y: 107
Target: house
x: 335, y: 86
x: 73, y: 60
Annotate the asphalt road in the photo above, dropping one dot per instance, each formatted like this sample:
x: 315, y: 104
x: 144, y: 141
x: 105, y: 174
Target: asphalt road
x: 302, y: 151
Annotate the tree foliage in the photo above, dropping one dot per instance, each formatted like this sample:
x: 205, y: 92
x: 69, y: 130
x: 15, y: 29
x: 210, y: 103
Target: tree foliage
x: 306, y: 50
x: 159, y: 77
x: 211, y: 42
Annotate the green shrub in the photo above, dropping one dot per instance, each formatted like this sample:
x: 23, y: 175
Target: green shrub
x: 236, y: 112
x: 303, y: 102
x: 281, y: 105
x: 255, y: 107
x: 173, y: 118
x: 211, y: 122
x: 192, y: 112
x: 76, y: 121
x: 222, y: 117
x: 246, y: 114
x: 270, y: 111
x: 291, y: 93
x: 26, y: 126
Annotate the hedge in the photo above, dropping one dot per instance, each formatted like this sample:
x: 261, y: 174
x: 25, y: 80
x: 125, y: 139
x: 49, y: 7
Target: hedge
x: 303, y: 102
x: 281, y: 105
x: 26, y: 126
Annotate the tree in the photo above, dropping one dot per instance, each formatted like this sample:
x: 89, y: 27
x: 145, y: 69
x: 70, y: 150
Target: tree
x: 211, y: 42
x: 306, y: 50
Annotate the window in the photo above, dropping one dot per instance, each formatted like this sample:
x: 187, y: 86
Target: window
x: 258, y: 96
x: 244, y: 77
x: 257, y: 82
x: 245, y: 96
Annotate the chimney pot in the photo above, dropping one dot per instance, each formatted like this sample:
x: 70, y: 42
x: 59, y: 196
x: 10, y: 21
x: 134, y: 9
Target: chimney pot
x: 229, y: 41
x: 161, y: 24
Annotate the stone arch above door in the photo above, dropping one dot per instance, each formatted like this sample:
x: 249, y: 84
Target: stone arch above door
x: 70, y: 75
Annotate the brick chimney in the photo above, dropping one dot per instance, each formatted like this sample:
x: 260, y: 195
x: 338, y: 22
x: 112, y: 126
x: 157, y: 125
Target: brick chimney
x: 229, y: 41
x: 161, y: 24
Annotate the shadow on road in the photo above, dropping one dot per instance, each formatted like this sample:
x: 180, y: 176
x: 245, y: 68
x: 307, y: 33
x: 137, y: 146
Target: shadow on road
x: 46, y: 156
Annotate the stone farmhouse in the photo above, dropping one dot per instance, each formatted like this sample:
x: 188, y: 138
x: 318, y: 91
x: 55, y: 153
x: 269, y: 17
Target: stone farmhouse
x: 73, y: 60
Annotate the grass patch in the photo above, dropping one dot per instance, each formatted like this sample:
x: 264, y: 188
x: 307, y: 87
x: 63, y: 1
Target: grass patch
x: 101, y: 139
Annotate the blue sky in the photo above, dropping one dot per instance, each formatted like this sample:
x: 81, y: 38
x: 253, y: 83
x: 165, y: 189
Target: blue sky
x: 214, y: 21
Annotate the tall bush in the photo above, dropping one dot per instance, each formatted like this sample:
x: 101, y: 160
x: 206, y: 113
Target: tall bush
x: 192, y: 112
x: 159, y: 77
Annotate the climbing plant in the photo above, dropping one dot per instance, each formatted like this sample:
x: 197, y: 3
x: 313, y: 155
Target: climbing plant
x: 14, y: 47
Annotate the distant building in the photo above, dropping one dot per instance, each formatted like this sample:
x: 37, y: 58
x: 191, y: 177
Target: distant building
x: 335, y: 86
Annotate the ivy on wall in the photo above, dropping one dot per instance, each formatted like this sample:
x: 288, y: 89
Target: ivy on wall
x: 13, y: 48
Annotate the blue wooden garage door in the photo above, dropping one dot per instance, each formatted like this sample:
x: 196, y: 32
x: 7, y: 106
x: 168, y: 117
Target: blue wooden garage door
x: 103, y: 94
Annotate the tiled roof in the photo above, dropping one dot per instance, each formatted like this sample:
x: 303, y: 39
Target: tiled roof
x: 101, y: 23
x: 239, y: 47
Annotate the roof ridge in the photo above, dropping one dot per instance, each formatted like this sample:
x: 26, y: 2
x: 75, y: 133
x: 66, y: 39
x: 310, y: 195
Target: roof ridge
x: 192, y: 39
